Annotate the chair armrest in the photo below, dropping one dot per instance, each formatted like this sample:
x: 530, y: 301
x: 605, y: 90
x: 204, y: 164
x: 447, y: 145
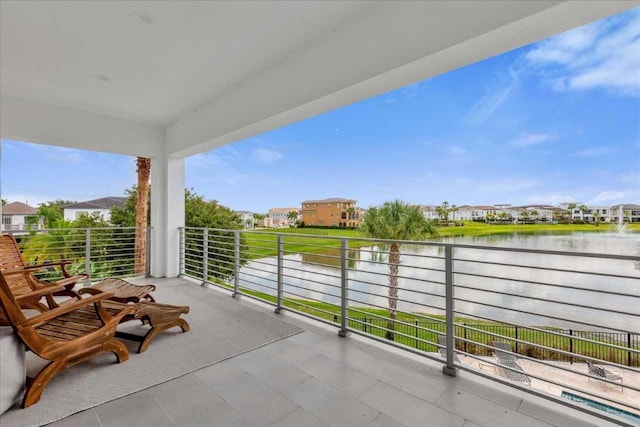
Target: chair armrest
x: 47, y: 264
x: 45, y: 290
x: 63, y: 309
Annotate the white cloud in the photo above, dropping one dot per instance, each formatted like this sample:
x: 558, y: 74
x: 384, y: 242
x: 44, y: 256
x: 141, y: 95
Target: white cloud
x: 605, y: 54
x: 457, y: 151
x: 265, y: 155
x: 494, y: 97
x: 553, y: 198
x: 528, y: 139
x: 594, y: 152
x: 607, y: 196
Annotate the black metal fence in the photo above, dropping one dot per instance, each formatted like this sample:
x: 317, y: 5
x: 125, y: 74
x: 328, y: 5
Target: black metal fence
x: 423, y: 335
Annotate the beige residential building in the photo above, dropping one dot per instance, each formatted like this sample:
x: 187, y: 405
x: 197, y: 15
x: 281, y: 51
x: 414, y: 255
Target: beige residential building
x: 280, y: 216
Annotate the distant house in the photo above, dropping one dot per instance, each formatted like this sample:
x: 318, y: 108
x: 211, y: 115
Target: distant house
x: 280, y: 216
x: 630, y: 212
x: 430, y: 212
x: 20, y: 216
x: 102, y: 206
x: 247, y: 218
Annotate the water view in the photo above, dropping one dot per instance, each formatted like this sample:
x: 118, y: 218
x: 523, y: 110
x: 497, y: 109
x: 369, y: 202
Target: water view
x: 534, y: 289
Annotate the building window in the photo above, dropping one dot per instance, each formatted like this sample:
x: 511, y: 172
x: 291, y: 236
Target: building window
x: 80, y: 214
x: 6, y: 220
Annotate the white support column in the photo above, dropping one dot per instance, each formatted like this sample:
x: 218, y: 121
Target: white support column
x: 167, y: 214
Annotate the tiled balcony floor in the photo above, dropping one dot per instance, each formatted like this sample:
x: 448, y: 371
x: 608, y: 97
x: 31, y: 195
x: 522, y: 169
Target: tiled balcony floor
x: 316, y: 379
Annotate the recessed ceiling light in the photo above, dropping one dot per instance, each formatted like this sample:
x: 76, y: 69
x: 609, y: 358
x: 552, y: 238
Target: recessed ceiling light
x: 142, y: 17
x: 101, y: 77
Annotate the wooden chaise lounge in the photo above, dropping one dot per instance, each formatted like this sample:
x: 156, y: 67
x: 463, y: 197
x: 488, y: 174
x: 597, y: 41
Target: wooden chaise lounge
x: 159, y: 317
x: 65, y: 336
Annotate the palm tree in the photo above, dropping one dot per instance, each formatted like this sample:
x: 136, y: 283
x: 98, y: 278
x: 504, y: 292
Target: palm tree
x: 534, y: 215
x: 292, y: 216
x: 143, y: 169
x: 570, y: 208
x: 4, y: 202
x: 503, y: 216
x: 443, y: 210
x: 583, y: 209
x: 396, y: 221
x: 454, y: 209
x: 524, y: 214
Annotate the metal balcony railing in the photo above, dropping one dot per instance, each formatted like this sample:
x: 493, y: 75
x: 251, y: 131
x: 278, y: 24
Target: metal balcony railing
x: 99, y: 252
x: 461, y: 305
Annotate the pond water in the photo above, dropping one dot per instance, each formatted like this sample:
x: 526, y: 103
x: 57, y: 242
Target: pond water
x: 516, y: 287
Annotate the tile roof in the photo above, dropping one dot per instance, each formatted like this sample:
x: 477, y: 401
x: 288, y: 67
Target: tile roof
x: 18, y: 208
x: 102, y: 203
x: 331, y: 200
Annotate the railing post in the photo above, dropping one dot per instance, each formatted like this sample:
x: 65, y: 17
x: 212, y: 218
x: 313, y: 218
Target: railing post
x: 570, y: 346
x: 628, y: 346
x: 465, y: 336
x: 147, y: 255
x: 183, y: 250
x: 343, y: 288
x: 280, y: 272
x: 87, y: 254
x: 449, y: 369
x: 205, y: 257
x: 516, y: 339
x: 236, y: 264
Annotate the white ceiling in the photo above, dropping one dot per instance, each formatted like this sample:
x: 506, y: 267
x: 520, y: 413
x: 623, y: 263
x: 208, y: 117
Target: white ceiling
x: 209, y: 73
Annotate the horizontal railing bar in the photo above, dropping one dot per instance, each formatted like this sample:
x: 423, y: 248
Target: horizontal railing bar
x: 416, y: 267
x: 399, y: 276
x: 572, y: 304
x: 310, y: 290
x: 385, y: 308
x: 386, y: 252
x: 312, y: 281
x: 534, y: 328
x: 548, y: 316
x: 395, y: 331
x: 555, y: 285
x: 402, y: 322
x: 389, y: 298
x: 556, y: 350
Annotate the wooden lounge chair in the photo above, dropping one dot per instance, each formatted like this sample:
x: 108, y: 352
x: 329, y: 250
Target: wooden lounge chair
x: 65, y: 336
x: 160, y: 317
x: 601, y: 373
x: 11, y: 260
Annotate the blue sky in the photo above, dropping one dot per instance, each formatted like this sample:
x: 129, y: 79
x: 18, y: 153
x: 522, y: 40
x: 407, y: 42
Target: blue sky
x: 555, y: 121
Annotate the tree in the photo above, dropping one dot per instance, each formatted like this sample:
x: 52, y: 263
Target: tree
x: 443, y: 210
x: 524, y: 214
x: 534, y: 215
x: 396, y: 220
x: 53, y: 212
x: 4, y: 201
x: 126, y: 216
x: 570, y: 208
x: 292, y: 217
x: 491, y: 217
x: 143, y: 169
x: 583, y: 209
x: 503, y: 216
x: 454, y: 209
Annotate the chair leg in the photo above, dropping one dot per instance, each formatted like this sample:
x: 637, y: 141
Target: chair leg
x: 155, y: 330
x: 117, y: 348
x: 37, y: 386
